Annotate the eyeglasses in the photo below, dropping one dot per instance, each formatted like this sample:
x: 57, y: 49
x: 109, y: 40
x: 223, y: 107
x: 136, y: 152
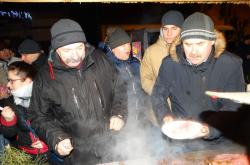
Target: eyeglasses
x: 13, y: 80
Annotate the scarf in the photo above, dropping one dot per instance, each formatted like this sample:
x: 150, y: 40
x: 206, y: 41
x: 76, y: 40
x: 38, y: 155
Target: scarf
x: 22, y: 95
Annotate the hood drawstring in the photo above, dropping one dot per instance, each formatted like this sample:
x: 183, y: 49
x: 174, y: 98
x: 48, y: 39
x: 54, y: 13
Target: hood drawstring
x: 51, y: 72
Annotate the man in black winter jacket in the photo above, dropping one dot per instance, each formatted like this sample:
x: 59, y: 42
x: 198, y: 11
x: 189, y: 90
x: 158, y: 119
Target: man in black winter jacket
x: 78, y: 98
x: 32, y: 53
x: 203, y: 64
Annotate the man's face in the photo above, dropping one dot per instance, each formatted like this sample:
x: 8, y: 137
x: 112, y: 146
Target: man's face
x: 170, y: 32
x: 122, y: 52
x: 30, y: 58
x: 73, y: 54
x: 197, y: 50
x: 6, y: 54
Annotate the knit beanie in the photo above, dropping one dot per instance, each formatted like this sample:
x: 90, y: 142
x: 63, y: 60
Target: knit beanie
x: 65, y: 32
x: 198, y: 25
x: 172, y: 17
x: 117, y: 38
x: 29, y: 46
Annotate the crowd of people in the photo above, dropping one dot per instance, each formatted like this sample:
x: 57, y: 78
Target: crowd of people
x: 76, y: 102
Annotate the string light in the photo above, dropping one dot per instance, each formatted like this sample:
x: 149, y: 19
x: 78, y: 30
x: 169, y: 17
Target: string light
x: 16, y: 14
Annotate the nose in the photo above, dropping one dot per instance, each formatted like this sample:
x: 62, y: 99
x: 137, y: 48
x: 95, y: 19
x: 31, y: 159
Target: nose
x: 9, y: 84
x: 74, y: 55
x: 193, y: 50
x: 22, y: 57
x: 169, y: 32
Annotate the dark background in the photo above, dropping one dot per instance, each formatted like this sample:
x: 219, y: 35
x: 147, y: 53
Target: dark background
x: 93, y: 15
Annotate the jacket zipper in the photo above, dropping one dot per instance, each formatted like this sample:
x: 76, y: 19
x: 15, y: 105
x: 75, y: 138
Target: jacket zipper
x: 75, y: 98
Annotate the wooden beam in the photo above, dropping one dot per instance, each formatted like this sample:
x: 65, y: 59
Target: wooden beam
x: 137, y: 1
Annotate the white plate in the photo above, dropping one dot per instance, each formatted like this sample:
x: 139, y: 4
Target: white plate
x: 182, y: 129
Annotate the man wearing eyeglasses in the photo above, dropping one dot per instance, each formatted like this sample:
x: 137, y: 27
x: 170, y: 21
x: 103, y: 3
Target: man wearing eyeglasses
x: 78, y: 99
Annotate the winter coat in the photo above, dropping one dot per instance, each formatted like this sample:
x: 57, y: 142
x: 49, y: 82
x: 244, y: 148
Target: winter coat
x: 130, y: 72
x: 20, y: 128
x: 40, y: 62
x: 151, y: 63
x: 77, y: 104
x: 185, y: 84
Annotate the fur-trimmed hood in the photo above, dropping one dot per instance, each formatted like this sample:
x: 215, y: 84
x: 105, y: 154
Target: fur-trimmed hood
x: 219, y: 45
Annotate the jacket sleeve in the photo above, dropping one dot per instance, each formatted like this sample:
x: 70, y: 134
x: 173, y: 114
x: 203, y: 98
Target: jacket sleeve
x: 9, y: 128
x: 235, y: 83
x: 147, y: 76
x: 119, y: 102
x: 42, y: 118
x: 160, y: 94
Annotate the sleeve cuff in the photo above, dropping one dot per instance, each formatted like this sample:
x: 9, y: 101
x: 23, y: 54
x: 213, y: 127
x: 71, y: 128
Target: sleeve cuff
x: 8, y: 123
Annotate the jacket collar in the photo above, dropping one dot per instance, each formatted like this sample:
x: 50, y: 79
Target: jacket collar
x: 40, y: 61
x: 56, y: 62
x: 115, y: 60
x: 162, y: 42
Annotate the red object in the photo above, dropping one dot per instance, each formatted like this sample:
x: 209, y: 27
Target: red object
x: 8, y: 123
x: 214, y: 97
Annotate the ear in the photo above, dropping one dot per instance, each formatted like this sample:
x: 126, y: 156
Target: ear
x: 28, y: 80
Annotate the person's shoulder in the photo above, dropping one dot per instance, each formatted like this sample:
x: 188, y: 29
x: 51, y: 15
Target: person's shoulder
x: 99, y: 55
x: 230, y: 58
x: 101, y: 59
x: 168, y: 60
x: 154, y: 47
x: 134, y: 60
x: 44, y: 75
x: 169, y: 64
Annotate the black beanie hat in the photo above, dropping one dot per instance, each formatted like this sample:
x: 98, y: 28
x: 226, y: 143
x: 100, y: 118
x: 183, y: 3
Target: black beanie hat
x: 172, y: 17
x: 198, y: 25
x: 117, y: 38
x: 65, y: 32
x: 29, y: 46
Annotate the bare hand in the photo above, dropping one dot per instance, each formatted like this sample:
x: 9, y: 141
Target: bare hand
x: 204, y: 130
x: 64, y: 147
x: 168, y: 119
x: 37, y: 144
x: 116, y: 123
x: 8, y: 114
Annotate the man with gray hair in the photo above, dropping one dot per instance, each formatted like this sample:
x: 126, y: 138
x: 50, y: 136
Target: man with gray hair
x: 203, y: 64
x: 78, y: 99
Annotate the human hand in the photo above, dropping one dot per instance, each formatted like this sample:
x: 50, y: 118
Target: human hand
x: 204, y: 130
x: 168, y: 119
x: 64, y: 147
x: 116, y: 123
x: 8, y: 114
x: 37, y: 144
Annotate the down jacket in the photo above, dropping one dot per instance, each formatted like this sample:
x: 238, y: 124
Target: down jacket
x: 151, y: 63
x: 185, y: 84
x: 77, y: 104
